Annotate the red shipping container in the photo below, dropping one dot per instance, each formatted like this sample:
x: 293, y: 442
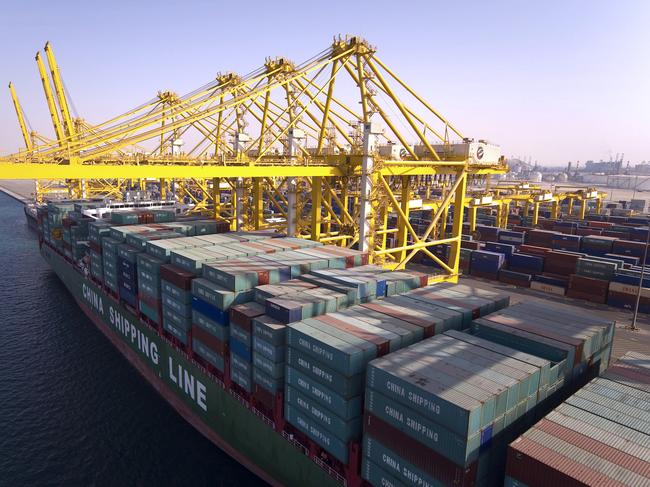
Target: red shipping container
x: 242, y: 315
x: 470, y: 244
x: 430, y: 461
x: 176, y: 276
x: 533, y: 250
x: 537, y: 466
x: 597, y: 224
x: 587, y: 232
x: 264, y: 397
x: 563, y: 263
x: 588, y: 288
x: 545, y: 224
x: 210, y: 341
x: 540, y: 238
x: 95, y: 247
x: 515, y: 282
x: 484, y: 275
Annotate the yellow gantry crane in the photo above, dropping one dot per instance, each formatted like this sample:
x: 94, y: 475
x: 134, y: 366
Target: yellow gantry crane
x: 527, y: 199
x: 336, y: 149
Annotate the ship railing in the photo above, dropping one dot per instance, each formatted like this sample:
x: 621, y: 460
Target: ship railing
x: 330, y: 470
x: 240, y: 398
x: 206, y: 371
x: 291, y: 439
x: 261, y: 415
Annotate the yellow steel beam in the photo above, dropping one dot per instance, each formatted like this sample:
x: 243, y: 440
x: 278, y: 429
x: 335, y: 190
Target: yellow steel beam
x: 403, y: 216
x: 178, y: 171
x: 258, y: 204
x: 21, y: 118
x: 316, y: 201
x: 51, y: 105
x: 60, y: 92
x: 457, y: 227
x: 402, y: 109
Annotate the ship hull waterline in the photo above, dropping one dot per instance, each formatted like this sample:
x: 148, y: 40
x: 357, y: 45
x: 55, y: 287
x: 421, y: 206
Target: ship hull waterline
x: 201, y: 401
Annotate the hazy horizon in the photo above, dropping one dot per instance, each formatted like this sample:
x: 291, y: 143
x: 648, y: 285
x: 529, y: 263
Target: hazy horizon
x: 553, y: 82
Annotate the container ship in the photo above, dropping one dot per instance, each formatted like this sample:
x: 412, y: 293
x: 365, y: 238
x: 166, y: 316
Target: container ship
x: 310, y: 366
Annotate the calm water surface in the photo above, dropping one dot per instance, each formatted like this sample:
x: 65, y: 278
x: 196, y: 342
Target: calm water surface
x: 72, y: 409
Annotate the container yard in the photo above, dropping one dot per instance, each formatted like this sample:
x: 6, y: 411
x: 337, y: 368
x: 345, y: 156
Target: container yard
x: 333, y: 284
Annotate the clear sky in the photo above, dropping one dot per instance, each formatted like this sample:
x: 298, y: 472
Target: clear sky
x: 551, y: 80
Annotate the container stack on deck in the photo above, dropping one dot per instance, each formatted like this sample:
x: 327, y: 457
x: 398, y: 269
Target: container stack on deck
x: 327, y: 357
x: 442, y: 411
x: 598, y: 436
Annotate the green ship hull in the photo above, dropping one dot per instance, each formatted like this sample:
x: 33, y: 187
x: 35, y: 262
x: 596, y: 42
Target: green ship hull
x: 225, y: 419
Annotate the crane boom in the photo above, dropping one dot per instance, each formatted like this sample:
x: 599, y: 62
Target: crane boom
x: 21, y: 118
x: 50, y: 99
x: 60, y: 93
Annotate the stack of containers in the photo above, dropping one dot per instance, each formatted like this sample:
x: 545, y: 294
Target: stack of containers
x: 533, y: 250
x: 626, y: 259
x: 148, y: 268
x: 511, y: 237
x: 127, y: 274
x: 176, y: 298
x: 327, y: 355
x: 526, y: 264
x: 578, y: 344
x: 76, y: 232
x: 465, y: 261
x: 44, y: 224
x: 241, y: 343
x: 326, y: 359
x: 439, y: 412
x: 509, y: 276
x: 624, y: 288
x: 587, y: 288
x: 591, y: 281
x: 596, y: 245
x: 569, y: 243
x: 109, y: 263
x: 487, y: 233
x: 149, y: 288
x: 125, y: 217
x: 558, y: 266
x: 565, y: 227
x: 486, y: 264
x: 515, y: 278
x: 187, y: 300
x: 540, y: 238
x: 639, y: 234
x: 227, y: 283
x: 268, y: 344
x: 599, y: 436
x: 96, y: 230
x: 626, y: 247
x: 561, y: 263
x: 598, y: 268
x: 210, y: 321
x: 506, y: 249
x: 56, y: 212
